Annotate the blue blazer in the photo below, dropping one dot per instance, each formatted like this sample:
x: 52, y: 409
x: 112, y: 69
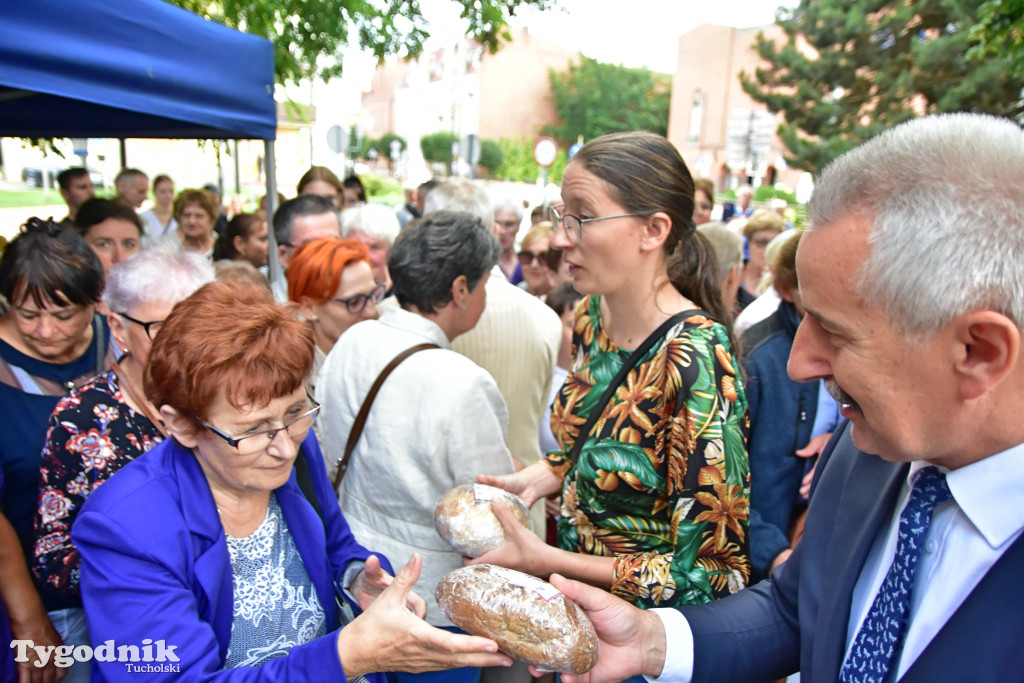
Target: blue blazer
x: 155, y: 565
x: 798, y: 619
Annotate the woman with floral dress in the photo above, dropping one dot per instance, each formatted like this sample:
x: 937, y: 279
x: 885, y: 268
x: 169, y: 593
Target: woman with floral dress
x: 103, y: 425
x: 655, y: 507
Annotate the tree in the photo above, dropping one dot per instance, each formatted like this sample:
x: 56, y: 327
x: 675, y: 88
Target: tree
x: 437, y: 147
x: 383, y: 145
x: 1000, y: 31
x: 309, y: 35
x: 848, y: 71
x: 593, y: 98
x: 491, y: 156
x: 518, y: 163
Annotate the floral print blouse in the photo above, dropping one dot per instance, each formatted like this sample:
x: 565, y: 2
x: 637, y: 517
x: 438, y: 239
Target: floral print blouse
x: 629, y: 496
x: 93, y: 433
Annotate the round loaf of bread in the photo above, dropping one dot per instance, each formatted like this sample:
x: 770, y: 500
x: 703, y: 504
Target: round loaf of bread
x: 463, y: 517
x: 528, y: 618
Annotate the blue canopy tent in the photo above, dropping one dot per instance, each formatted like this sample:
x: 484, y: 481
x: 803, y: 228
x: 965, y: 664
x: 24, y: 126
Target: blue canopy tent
x: 132, y: 69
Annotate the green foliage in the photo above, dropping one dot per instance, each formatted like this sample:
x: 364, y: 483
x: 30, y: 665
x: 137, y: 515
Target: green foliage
x: 593, y: 98
x: 380, y: 185
x: 383, y: 145
x: 437, y: 147
x: 999, y: 32
x: 491, y: 156
x: 765, y: 193
x: 518, y: 163
x: 309, y: 35
x: 872, y: 65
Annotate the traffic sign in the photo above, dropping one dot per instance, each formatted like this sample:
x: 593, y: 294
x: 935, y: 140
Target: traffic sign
x: 545, y: 151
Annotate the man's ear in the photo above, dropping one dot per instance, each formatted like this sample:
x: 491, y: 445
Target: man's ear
x: 988, y: 350
x: 180, y: 427
x: 656, y: 231
x: 282, y: 256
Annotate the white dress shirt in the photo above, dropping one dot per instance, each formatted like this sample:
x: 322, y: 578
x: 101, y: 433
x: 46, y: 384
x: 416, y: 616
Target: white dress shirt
x: 967, y: 536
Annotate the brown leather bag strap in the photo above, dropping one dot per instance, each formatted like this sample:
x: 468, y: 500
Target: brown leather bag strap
x: 364, y: 411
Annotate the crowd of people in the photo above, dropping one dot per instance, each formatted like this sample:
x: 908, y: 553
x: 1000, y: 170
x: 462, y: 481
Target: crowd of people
x: 720, y: 428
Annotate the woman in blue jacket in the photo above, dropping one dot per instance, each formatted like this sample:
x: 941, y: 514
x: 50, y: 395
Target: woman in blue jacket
x: 213, y: 553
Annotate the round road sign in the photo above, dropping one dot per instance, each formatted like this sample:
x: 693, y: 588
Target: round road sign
x: 545, y: 151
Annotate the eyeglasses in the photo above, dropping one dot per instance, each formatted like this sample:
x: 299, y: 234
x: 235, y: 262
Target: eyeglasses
x: 151, y: 328
x: 356, y: 304
x: 573, y: 225
x: 760, y: 242
x: 528, y: 257
x: 257, y: 441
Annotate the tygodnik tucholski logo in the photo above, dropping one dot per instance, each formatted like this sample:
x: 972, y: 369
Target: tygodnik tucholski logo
x: 152, y: 656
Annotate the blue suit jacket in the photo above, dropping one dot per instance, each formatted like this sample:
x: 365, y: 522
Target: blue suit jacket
x: 155, y: 565
x: 798, y: 619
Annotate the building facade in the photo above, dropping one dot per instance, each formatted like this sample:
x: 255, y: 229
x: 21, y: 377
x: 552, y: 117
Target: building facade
x: 722, y: 133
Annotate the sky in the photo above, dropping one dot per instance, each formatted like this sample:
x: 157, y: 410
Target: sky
x: 636, y: 33
x: 647, y: 35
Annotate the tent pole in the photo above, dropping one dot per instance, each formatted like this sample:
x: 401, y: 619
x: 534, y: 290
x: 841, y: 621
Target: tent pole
x: 270, y: 172
x: 124, y: 154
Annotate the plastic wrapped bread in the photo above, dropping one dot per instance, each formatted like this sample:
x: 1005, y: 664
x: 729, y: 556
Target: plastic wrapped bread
x: 463, y: 517
x: 527, y: 617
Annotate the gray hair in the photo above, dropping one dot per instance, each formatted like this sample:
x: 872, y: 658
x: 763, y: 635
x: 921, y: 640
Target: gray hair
x: 945, y: 198
x: 432, y: 252
x: 727, y: 245
x: 511, y: 205
x: 461, y: 195
x: 155, y: 275
x: 376, y: 220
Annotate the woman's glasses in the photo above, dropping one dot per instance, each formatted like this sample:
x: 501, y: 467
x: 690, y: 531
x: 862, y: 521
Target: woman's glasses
x: 356, y: 304
x: 151, y: 328
x: 573, y: 225
x: 258, y: 441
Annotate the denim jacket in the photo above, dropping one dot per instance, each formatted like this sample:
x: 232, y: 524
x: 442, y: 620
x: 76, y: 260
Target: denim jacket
x: 781, y: 417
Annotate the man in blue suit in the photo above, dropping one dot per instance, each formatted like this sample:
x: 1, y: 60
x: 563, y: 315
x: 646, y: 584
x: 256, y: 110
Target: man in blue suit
x: 912, y: 275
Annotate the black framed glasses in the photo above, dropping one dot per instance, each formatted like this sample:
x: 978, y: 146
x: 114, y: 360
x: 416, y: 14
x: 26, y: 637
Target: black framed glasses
x: 151, y: 328
x: 356, y: 304
x: 258, y: 441
x: 573, y: 225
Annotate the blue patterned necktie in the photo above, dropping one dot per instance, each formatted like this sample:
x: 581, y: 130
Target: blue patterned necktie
x: 881, y: 635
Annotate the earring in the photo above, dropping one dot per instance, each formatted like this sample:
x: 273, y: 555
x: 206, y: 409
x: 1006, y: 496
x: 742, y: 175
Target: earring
x: 462, y: 308
x: 313, y: 319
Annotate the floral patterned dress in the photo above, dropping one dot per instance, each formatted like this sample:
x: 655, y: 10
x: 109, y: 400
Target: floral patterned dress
x: 93, y: 433
x: 677, y: 539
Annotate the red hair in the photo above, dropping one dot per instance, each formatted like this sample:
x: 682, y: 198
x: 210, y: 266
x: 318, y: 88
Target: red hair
x: 314, y: 271
x: 228, y: 339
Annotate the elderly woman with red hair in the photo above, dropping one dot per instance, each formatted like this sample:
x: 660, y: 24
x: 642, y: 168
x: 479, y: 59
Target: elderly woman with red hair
x: 225, y: 546
x: 332, y: 282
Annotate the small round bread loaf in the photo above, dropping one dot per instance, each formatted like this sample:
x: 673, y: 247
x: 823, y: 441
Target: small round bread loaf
x: 463, y: 517
x: 528, y: 618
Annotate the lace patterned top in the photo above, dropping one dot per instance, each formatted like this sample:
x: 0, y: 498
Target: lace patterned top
x: 276, y: 606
